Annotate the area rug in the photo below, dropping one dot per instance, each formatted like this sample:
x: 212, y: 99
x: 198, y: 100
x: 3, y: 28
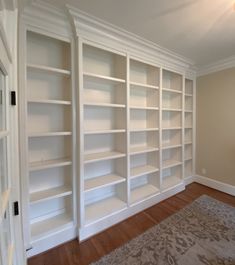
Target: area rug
x: 201, y: 233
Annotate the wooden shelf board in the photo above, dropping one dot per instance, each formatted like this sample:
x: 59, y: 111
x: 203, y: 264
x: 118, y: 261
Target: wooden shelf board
x: 3, y: 134
x: 188, y: 111
x: 105, y: 131
x: 108, y: 105
x: 103, y: 208
x: 171, y: 109
x: 44, y: 195
x: 143, y: 192
x: 171, y: 146
x: 188, y: 159
x: 104, y: 78
x: 142, y: 149
x: 144, y: 129
x: 171, y: 163
x: 144, y: 108
x: 102, y: 181
x: 142, y: 85
x: 187, y: 143
x: 172, y: 90
x: 88, y: 158
x: 49, y: 101
x: 48, y: 69
x: 188, y: 95
x: 50, y: 226
x: 172, y: 128
x: 188, y: 127
x: 33, y: 166
x: 142, y: 170
x: 49, y: 134
x: 170, y: 181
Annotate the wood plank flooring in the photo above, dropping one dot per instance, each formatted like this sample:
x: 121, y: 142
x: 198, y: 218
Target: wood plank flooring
x: 73, y: 253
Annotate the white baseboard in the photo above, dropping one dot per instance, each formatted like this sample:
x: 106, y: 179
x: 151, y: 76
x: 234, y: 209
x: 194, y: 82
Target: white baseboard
x: 189, y: 180
x: 215, y: 184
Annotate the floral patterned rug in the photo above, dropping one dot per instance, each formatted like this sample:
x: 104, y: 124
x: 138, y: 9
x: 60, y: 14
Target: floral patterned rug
x: 201, y: 233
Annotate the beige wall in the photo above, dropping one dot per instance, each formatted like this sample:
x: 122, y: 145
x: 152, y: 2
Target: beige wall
x: 216, y: 126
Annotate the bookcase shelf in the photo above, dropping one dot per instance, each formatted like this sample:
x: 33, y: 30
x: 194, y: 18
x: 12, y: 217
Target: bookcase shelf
x: 40, y: 165
x: 89, y: 158
x: 47, y: 101
x: 142, y: 170
x: 52, y: 70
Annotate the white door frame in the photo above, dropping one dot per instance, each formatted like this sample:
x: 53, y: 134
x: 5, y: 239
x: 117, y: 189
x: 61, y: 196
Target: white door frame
x: 8, y: 65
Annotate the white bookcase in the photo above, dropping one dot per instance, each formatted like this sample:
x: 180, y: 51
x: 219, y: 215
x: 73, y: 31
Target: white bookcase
x: 48, y: 134
x: 172, y: 129
x: 188, y: 128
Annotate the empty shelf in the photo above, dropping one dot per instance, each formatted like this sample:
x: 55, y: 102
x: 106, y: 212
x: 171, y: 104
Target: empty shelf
x: 143, y: 129
x: 103, y: 208
x: 171, y: 163
x: 171, y: 146
x: 106, y: 105
x: 172, y: 90
x: 50, y: 226
x: 33, y: 166
x: 142, y: 85
x: 49, y: 101
x: 49, y: 194
x: 143, y: 192
x: 142, y: 170
x: 97, y: 77
x: 105, y: 131
x: 142, y: 149
x: 48, y: 69
x: 169, y: 182
x: 102, y: 181
x: 48, y: 134
x: 102, y: 156
x: 144, y: 108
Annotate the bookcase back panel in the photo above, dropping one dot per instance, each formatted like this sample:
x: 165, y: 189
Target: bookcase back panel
x: 188, y: 103
x: 188, y: 120
x: 48, y: 118
x: 50, y: 178
x: 50, y: 208
x: 47, y: 86
x: 142, y: 119
x: 103, y: 118
x: 172, y: 154
x: 46, y: 51
x: 95, y: 92
x: 101, y: 62
x: 171, y: 100
x: 171, y: 119
x: 47, y: 148
x: 143, y: 73
x: 172, y: 80
x: 143, y: 97
x: 188, y: 135
x: 171, y: 137
x: 151, y: 158
x: 104, y: 143
x: 144, y: 139
x: 188, y: 152
x: 189, y: 87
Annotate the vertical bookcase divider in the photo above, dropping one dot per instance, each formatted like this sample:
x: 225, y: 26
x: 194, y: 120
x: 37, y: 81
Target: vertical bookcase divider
x: 160, y: 127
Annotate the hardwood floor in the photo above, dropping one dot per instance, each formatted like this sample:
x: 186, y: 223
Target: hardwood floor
x: 73, y: 253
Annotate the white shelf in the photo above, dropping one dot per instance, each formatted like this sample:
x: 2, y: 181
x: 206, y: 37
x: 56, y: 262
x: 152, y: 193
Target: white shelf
x: 188, y: 158
x: 142, y: 149
x: 106, y: 105
x: 50, y: 226
x: 172, y: 128
x: 171, y: 109
x: 187, y: 143
x: 188, y: 111
x: 103, y: 208
x: 143, y: 192
x: 188, y: 95
x: 33, y: 166
x: 170, y: 182
x: 188, y: 127
x: 142, y: 170
x: 105, y: 131
x: 171, y: 163
x: 96, y: 77
x: 102, y: 181
x: 49, y: 134
x: 144, y: 108
x: 144, y: 130
x: 88, y: 158
x: 48, y: 69
x: 171, y: 146
x: 143, y: 85
x: 49, y: 194
x: 49, y: 101
x: 172, y: 90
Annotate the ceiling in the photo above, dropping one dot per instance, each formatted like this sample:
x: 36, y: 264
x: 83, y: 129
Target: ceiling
x: 201, y: 30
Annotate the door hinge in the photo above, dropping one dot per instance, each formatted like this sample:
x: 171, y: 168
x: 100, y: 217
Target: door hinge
x: 16, y: 208
x: 13, y: 98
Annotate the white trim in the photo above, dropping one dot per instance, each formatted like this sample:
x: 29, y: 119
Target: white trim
x: 217, y: 66
x: 189, y: 180
x: 215, y: 184
x: 92, y: 28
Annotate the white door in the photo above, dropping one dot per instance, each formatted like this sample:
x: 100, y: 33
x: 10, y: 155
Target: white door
x: 6, y: 213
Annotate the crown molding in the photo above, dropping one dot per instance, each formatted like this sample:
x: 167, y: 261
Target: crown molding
x: 47, y: 18
x: 92, y: 28
x: 217, y: 66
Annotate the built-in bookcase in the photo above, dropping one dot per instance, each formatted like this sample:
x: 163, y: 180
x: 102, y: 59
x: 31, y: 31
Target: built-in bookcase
x: 172, y: 129
x: 49, y: 141
x: 103, y: 134
x: 188, y: 127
